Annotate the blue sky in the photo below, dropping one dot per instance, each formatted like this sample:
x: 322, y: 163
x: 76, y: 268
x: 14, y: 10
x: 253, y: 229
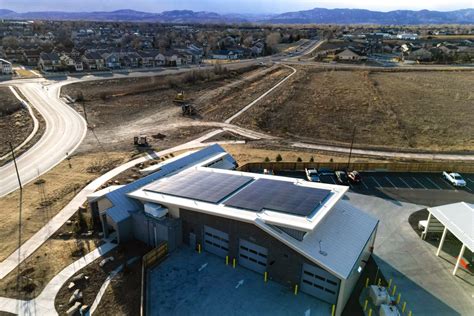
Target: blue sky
x: 225, y: 6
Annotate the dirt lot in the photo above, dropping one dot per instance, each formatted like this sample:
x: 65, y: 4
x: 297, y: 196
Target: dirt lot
x: 145, y: 105
x: 43, y: 200
x: 398, y: 110
x: 15, y: 121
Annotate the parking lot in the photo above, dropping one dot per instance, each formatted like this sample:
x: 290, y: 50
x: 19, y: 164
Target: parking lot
x: 188, y: 283
x: 425, y: 188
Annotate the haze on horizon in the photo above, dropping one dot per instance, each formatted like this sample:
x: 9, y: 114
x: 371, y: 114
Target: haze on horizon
x: 219, y: 6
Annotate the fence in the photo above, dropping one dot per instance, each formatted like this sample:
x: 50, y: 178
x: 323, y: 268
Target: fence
x: 362, y: 166
x: 149, y: 260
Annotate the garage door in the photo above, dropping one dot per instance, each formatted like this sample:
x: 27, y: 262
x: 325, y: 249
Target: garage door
x: 252, y: 256
x: 319, y: 283
x: 216, y: 241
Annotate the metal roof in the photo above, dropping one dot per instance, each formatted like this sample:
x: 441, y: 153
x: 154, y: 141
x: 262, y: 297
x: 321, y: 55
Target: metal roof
x: 121, y: 201
x: 118, y: 215
x: 337, y: 241
x: 459, y: 219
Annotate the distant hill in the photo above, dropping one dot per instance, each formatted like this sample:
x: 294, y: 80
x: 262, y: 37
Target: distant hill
x: 317, y: 15
x: 359, y: 16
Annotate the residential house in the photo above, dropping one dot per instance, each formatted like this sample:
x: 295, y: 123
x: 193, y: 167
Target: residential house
x: 6, y: 67
x: 49, y: 62
x: 421, y: 54
x: 349, y: 55
x: 31, y: 57
x: 71, y: 63
x: 93, y: 61
x: 111, y: 60
x: 129, y: 59
x: 147, y: 58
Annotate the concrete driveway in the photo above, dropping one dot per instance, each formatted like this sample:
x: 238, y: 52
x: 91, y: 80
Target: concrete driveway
x: 424, y: 280
x: 188, y: 283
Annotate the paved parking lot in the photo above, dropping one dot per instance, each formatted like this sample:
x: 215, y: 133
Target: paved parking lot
x: 188, y: 283
x: 425, y: 188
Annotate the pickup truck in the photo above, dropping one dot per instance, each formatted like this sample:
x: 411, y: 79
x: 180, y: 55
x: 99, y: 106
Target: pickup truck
x: 454, y: 178
x: 312, y: 175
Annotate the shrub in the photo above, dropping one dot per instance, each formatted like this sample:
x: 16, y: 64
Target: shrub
x: 278, y: 158
x: 299, y: 159
x: 311, y: 159
x: 266, y: 159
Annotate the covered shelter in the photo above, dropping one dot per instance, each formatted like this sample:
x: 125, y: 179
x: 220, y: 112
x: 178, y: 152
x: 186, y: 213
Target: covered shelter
x: 457, y: 218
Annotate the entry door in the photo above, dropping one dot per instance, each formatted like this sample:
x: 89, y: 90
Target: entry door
x: 253, y: 256
x: 319, y: 283
x: 216, y: 241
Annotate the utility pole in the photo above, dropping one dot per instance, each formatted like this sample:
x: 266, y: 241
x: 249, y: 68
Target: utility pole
x: 352, y: 144
x: 19, y: 220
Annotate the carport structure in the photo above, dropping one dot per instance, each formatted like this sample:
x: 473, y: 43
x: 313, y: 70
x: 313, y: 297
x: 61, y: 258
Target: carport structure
x: 458, y: 218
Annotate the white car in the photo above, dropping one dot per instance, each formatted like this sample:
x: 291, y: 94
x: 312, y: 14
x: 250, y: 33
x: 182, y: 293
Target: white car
x: 312, y: 175
x: 454, y: 178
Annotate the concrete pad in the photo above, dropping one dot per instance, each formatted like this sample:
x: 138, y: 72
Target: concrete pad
x: 188, y: 283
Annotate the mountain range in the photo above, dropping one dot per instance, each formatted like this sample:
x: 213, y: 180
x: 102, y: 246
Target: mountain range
x: 316, y: 15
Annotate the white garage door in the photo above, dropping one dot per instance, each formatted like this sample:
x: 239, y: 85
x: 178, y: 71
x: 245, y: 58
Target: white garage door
x: 319, y: 283
x: 216, y: 241
x: 252, y: 256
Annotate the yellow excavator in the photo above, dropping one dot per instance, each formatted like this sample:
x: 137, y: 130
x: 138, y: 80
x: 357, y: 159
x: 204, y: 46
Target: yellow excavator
x: 179, y: 98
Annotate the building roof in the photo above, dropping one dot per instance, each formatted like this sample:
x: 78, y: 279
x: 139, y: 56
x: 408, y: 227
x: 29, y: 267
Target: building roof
x: 459, y: 219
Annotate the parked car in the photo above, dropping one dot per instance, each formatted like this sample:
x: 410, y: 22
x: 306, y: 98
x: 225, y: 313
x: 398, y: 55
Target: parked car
x: 354, y: 177
x: 325, y: 171
x: 341, y: 177
x: 454, y: 178
x: 312, y: 175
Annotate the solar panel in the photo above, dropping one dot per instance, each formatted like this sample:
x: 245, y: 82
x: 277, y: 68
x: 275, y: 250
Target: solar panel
x: 280, y: 196
x: 200, y: 185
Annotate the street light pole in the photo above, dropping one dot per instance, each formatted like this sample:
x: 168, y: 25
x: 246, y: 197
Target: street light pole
x: 352, y: 144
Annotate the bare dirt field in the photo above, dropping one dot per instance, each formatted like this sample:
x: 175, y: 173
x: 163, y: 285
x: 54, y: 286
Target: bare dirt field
x: 44, y: 198
x: 411, y: 110
x: 119, y: 109
x: 15, y: 121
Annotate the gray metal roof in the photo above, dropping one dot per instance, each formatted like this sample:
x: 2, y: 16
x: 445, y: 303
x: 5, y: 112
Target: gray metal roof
x: 459, y: 219
x: 341, y: 236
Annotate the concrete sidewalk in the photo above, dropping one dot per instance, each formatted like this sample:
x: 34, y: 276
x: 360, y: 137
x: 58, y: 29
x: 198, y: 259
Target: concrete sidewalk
x: 44, y: 303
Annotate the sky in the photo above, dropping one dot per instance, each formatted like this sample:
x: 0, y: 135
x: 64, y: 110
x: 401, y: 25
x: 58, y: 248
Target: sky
x: 224, y: 6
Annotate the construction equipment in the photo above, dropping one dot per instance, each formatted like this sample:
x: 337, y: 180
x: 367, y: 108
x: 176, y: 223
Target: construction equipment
x: 140, y: 141
x: 188, y: 109
x: 179, y: 97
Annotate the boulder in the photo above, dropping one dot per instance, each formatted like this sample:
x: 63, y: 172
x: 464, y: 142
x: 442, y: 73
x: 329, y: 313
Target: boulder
x: 71, y: 285
x: 73, y: 310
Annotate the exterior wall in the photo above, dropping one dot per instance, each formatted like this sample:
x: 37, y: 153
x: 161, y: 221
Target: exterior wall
x: 284, y: 264
x: 347, y: 286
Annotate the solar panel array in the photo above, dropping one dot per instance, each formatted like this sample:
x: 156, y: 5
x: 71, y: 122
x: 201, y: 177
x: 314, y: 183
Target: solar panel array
x: 200, y: 185
x: 280, y: 196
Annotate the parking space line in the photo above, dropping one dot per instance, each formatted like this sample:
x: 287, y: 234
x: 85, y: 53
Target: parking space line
x: 419, y: 183
x: 334, y: 181
x: 396, y: 188
x: 470, y: 180
x: 376, y: 182
x: 405, y: 183
x: 432, y: 182
x: 365, y: 185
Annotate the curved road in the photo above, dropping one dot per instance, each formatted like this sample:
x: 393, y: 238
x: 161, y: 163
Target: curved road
x: 65, y: 130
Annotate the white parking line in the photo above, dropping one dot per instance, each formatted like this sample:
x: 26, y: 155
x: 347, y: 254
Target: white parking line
x: 405, y: 183
x: 334, y: 181
x: 419, y: 183
x: 396, y: 188
x: 365, y: 185
x: 376, y: 182
x: 433, y: 183
x: 470, y: 180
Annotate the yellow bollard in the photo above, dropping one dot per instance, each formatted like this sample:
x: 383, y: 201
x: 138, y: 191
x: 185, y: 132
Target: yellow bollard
x: 199, y: 248
x: 378, y: 283
x: 367, y: 282
x: 394, y: 290
x: 409, y: 313
x: 370, y: 311
x: 365, y: 305
x: 296, y: 289
x: 226, y: 260
x: 389, y: 283
x: 398, y: 298
x: 233, y: 263
x: 404, y: 306
x: 333, y: 310
x: 265, y: 276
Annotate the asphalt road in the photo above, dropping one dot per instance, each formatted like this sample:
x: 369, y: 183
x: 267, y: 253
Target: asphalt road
x: 65, y: 130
